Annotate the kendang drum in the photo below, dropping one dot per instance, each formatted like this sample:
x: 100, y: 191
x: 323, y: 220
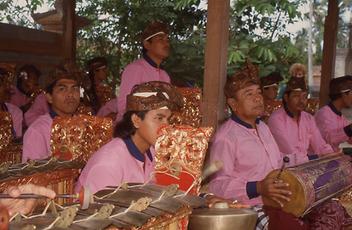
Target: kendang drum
x: 313, y: 182
x: 126, y: 207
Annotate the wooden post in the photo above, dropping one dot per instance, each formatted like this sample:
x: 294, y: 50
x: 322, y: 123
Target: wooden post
x: 215, y: 62
x: 69, y: 30
x: 329, y: 50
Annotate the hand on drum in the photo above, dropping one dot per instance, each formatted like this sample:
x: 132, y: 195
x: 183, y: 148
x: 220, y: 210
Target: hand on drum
x: 212, y: 200
x: 24, y: 206
x: 274, y: 189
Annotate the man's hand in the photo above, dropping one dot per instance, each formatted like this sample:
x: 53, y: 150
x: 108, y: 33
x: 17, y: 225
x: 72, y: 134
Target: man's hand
x: 24, y: 206
x: 274, y: 189
x: 212, y: 200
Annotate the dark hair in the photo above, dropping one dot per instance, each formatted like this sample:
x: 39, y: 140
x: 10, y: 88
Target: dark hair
x: 125, y: 127
x: 334, y: 97
x: 28, y: 69
x: 49, y: 89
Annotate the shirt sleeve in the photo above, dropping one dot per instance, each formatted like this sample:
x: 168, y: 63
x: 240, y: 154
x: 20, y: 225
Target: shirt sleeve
x: 317, y: 142
x: 129, y: 78
x: 100, y: 176
x: 279, y: 131
x: 330, y: 132
x: 34, y: 146
x: 227, y: 183
x: 39, y: 107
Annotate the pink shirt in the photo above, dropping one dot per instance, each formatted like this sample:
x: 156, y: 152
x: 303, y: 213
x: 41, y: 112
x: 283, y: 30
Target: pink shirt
x: 247, y: 154
x: 331, y: 124
x: 109, y: 107
x: 17, y: 118
x: 297, y: 139
x: 137, y: 72
x: 113, y: 164
x: 36, y: 140
x: 39, y: 107
x: 18, y: 98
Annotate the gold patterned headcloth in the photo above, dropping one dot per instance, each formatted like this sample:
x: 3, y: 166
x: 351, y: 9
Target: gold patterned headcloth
x: 66, y: 71
x: 243, y: 78
x: 296, y: 84
x: 154, y: 95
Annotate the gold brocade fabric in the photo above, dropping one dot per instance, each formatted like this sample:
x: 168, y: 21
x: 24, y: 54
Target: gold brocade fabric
x: 79, y: 136
x: 346, y: 201
x: 190, y: 113
x: 312, y: 105
x: 181, y: 149
x: 6, y: 135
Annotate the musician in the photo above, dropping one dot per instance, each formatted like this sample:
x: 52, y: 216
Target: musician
x: 27, y: 87
x: 98, y: 94
x: 297, y: 70
x: 24, y: 206
x: 295, y: 130
x: 129, y: 156
x: 156, y: 48
x: 269, y: 85
x: 7, y: 108
x: 246, y: 147
x: 63, y: 95
x: 333, y: 125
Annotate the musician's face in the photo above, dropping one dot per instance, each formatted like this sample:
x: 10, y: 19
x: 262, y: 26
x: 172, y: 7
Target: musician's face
x: 296, y: 101
x: 270, y: 93
x: 248, y: 102
x: 64, y: 98
x: 147, y: 128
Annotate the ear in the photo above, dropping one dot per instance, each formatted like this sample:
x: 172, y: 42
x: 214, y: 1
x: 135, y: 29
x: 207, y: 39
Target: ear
x: 286, y: 97
x: 49, y: 98
x: 136, y: 121
x: 232, y: 103
x: 146, y: 45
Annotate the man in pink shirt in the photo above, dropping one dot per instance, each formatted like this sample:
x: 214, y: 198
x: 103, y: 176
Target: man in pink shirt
x: 128, y: 157
x: 156, y: 48
x: 63, y: 95
x: 246, y: 147
x: 295, y: 130
x: 334, y: 126
x: 15, y: 112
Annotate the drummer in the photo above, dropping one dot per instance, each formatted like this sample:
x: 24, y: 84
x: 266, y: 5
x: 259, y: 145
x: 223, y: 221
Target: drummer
x: 333, y: 125
x: 129, y: 156
x: 246, y: 147
x: 295, y: 130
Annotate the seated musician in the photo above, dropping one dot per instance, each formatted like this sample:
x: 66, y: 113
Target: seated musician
x: 269, y: 85
x: 246, y: 147
x: 63, y: 95
x: 24, y: 206
x: 14, y: 111
x: 333, y: 125
x: 129, y: 156
x: 98, y: 94
x: 27, y: 87
x: 295, y: 130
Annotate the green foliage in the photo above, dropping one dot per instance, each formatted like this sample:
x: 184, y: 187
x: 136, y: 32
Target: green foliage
x: 258, y: 32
